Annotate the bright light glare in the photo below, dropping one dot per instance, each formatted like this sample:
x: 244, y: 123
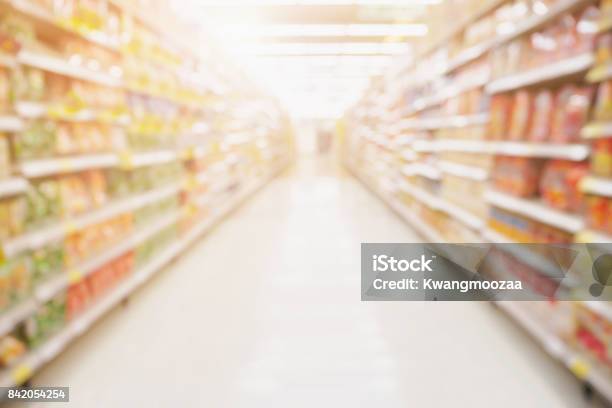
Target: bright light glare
x: 324, y: 30
x: 329, y: 49
x: 378, y: 3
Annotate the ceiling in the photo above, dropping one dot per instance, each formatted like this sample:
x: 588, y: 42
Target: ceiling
x: 316, y: 56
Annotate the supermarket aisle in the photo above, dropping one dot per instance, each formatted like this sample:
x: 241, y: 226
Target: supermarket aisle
x: 266, y: 313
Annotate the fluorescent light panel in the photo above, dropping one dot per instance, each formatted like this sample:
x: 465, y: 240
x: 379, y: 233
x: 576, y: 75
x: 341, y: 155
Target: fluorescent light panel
x: 378, y: 3
x: 325, y: 30
x: 329, y: 49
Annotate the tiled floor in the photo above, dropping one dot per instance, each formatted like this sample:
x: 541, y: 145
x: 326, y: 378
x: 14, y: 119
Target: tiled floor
x: 266, y: 312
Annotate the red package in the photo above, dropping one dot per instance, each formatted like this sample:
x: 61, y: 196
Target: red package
x: 597, y: 213
x: 501, y: 112
x: 518, y: 176
x: 521, y: 115
x: 560, y: 184
x: 78, y: 297
x: 572, y: 113
x: 544, y: 108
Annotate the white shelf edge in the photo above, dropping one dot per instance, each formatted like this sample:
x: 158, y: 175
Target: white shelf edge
x: 557, y: 70
x: 535, y: 210
x: 574, y: 152
x: 597, y: 129
x: 45, y: 167
x: 443, y: 122
x: 463, y: 170
x: 597, y: 185
x: 421, y: 169
x: 69, y: 164
x: 10, y: 124
x: 13, y: 186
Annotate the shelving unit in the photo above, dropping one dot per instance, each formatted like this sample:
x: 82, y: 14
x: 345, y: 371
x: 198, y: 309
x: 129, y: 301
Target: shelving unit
x: 451, y: 107
x: 132, y: 156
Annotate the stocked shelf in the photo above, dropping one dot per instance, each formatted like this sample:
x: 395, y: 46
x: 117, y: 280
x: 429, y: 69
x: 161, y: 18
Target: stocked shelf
x: 436, y: 203
x: 47, y: 290
x: 63, y: 67
x: 580, y: 365
x: 36, y: 358
x: 500, y: 108
x: 36, y: 239
x: 547, y: 73
x: 536, y: 210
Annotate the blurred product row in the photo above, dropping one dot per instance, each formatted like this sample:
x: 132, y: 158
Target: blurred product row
x: 501, y: 132
x: 119, y: 147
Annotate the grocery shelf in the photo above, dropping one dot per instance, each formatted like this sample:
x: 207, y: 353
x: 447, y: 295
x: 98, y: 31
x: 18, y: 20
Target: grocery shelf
x: 61, y: 281
x: 12, y: 186
x: 597, y: 185
x: 36, y: 110
x: 39, y: 14
x: 527, y: 26
x: 408, y: 216
x: 536, y: 22
x: 583, y: 367
x: 37, y: 357
x: 536, y: 210
x: 130, y: 160
x: 46, y: 167
x: 439, y: 204
x: 458, y: 121
x: 463, y: 170
x: 526, y: 255
x: 421, y: 169
x: 10, y: 124
x: 575, y: 152
x: 542, y: 74
x: 71, y: 164
x: 450, y: 91
x: 457, y: 28
x: 60, y: 66
x: 39, y: 238
x: 596, y: 130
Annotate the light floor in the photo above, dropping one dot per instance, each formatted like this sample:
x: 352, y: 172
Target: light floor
x: 266, y: 312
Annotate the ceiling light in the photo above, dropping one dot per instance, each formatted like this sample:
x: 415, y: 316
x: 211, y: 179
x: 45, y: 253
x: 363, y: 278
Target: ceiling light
x: 324, y: 30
